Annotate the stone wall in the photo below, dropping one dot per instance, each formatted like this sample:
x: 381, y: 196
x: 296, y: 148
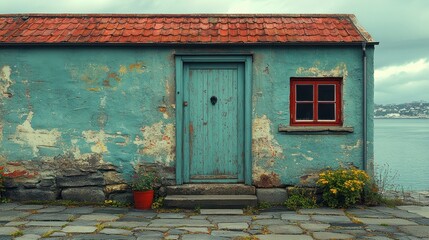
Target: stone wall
x: 85, y: 180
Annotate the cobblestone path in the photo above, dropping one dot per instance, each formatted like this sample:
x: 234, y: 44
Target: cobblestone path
x: 18, y: 221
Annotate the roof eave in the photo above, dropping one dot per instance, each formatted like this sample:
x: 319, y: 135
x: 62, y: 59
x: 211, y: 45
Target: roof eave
x: 188, y: 44
x: 192, y: 15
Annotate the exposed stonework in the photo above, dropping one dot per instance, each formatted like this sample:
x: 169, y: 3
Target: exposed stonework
x: 95, y: 179
x: 89, y: 179
x: 309, y: 180
x: 23, y: 194
x: 84, y: 194
x: 108, y: 189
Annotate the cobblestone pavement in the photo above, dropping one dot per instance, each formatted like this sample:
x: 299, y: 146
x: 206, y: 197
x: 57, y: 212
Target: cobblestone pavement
x: 18, y: 221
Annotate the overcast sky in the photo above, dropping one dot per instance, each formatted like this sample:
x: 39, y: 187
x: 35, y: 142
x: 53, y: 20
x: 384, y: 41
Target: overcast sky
x: 401, y: 27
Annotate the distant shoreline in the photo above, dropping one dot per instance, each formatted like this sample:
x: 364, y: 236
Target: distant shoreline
x: 401, y: 117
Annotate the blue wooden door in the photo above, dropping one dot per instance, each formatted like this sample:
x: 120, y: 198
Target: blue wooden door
x: 213, y: 122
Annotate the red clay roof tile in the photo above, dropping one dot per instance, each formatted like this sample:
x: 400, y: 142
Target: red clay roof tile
x: 181, y: 29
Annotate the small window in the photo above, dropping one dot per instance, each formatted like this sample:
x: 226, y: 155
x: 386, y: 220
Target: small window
x: 315, y: 101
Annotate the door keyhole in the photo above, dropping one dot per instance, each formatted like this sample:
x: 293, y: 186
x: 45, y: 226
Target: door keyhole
x: 213, y: 100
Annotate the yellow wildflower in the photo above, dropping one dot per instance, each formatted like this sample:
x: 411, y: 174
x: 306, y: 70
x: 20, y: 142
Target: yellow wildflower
x: 333, y: 190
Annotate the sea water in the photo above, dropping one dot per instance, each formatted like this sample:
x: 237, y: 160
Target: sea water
x: 402, y: 146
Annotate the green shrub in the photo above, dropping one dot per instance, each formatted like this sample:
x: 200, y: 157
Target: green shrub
x: 301, y: 198
x: 342, y: 187
x: 1, y: 179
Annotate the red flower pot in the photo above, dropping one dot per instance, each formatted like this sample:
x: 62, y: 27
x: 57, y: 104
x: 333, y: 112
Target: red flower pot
x: 143, y: 199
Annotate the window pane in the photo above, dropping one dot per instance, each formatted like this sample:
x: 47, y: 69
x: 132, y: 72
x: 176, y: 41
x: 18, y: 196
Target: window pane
x: 326, y: 93
x: 304, y: 111
x: 304, y: 92
x: 326, y: 111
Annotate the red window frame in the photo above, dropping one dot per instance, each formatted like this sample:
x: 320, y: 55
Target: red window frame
x: 315, y: 82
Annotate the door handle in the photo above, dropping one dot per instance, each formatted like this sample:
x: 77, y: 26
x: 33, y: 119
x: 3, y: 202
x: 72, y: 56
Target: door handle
x: 185, y: 103
x: 213, y: 100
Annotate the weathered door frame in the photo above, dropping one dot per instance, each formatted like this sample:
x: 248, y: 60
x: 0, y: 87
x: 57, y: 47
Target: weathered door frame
x: 245, y: 59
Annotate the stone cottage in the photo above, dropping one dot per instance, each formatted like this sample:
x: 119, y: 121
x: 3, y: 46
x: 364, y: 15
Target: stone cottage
x: 232, y: 101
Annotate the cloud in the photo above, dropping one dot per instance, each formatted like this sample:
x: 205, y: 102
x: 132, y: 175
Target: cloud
x: 402, y: 83
x: 411, y: 68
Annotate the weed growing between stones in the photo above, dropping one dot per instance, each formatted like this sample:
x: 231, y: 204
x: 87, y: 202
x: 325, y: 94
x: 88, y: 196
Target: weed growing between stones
x: 100, y: 226
x: 264, y: 205
x: 265, y: 230
x: 1, y: 179
x: 158, y: 203
x: 250, y: 210
x: 168, y: 210
x: 118, y: 204
x: 301, y: 198
x: 48, y: 233
x: 18, y: 233
x: 353, y: 218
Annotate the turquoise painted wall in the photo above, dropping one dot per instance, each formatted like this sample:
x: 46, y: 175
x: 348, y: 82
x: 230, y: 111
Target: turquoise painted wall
x: 119, y: 103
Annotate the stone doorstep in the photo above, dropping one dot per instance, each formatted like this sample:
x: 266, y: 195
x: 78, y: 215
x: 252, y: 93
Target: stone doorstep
x: 210, y: 201
x: 271, y: 195
x: 211, y: 189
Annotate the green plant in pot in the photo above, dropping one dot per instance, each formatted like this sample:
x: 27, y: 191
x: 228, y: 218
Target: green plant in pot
x: 143, y: 186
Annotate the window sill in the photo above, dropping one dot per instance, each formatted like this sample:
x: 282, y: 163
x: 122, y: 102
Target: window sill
x: 319, y: 130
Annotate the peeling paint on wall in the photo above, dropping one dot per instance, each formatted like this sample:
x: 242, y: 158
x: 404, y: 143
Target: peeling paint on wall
x: 308, y: 158
x: 163, y: 110
x: 123, y: 70
x: 265, y: 150
x: 75, y: 150
x: 339, y: 71
x: 264, y: 145
x: 5, y: 82
x: 352, y: 147
x: 99, y: 139
x: 137, y: 67
x: 26, y: 135
x: 158, y: 141
x: 98, y: 76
